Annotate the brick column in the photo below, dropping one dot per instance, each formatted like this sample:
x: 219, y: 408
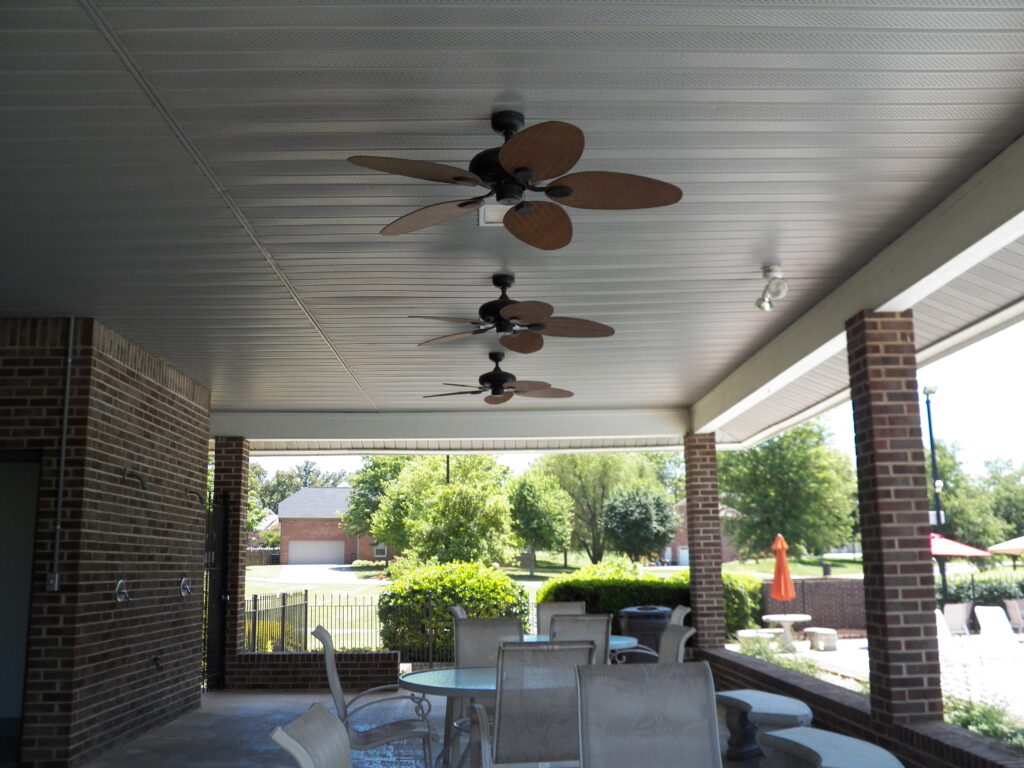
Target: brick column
x: 704, y: 537
x: 899, y: 592
x: 231, y: 488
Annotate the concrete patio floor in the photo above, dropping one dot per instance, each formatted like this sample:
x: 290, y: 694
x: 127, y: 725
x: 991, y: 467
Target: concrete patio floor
x: 232, y: 730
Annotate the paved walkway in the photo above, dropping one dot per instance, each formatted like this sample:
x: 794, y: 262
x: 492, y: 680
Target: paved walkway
x: 232, y: 730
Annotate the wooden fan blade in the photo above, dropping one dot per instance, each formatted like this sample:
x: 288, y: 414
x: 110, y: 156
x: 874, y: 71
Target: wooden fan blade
x: 418, y: 169
x: 527, y: 386
x: 498, y: 399
x: 606, y: 190
x: 446, y: 394
x: 431, y: 215
x: 523, y: 342
x: 575, y: 327
x: 527, y: 312
x: 543, y: 225
x: 547, y: 149
x: 549, y: 392
x: 478, y: 321
x: 452, y: 337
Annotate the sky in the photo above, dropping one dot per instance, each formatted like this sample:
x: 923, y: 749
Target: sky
x: 977, y: 405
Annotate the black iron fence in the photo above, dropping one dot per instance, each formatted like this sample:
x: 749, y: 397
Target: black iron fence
x: 421, y: 633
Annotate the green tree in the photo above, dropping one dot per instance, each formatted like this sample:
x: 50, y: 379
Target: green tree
x: 670, y: 470
x: 793, y: 484
x: 255, y: 511
x: 465, y: 519
x: 368, y: 487
x: 1005, y: 485
x: 639, y: 522
x: 967, y: 505
x: 541, y: 512
x: 590, y: 479
x: 284, y: 483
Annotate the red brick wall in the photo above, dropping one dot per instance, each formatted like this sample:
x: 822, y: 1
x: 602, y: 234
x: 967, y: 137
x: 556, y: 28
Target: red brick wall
x: 101, y: 672
x: 705, y: 534
x: 323, y: 529
x: 305, y: 671
x: 231, y: 488
x: 899, y: 590
x: 917, y: 745
x: 834, y: 602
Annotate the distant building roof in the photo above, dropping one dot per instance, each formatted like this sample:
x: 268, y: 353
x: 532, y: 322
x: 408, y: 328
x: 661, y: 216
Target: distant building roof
x: 321, y: 503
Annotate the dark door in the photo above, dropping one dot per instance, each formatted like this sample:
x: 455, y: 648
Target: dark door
x: 214, y: 599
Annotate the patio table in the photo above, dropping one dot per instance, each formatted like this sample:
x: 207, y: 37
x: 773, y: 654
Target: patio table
x: 786, y: 621
x: 473, y: 683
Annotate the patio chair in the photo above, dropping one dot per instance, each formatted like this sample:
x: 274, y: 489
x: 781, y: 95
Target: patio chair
x: 958, y: 617
x: 648, y: 715
x: 672, y: 647
x: 457, y: 612
x: 1015, y: 612
x: 996, y: 631
x: 316, y: 739
x: 679, y: 614
x: 595, y: 627
x: 546, y: 610
x: 386, y: 733
x: 536, y: 717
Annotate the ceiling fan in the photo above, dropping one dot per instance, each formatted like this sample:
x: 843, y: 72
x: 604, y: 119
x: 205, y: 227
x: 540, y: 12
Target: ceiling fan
x: 501, y: 386
x: 521, y: 325
x: 526, y: 159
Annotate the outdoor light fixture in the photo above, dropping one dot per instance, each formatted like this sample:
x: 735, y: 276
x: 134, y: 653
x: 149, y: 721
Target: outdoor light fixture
x: 775, y: 288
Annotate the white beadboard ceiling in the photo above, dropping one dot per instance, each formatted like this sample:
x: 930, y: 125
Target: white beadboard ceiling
x: 177, y: 170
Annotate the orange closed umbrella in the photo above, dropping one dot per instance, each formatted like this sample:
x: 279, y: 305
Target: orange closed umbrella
x: 782, y: 586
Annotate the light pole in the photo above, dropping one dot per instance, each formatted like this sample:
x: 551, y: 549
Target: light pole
x: 940, y: 522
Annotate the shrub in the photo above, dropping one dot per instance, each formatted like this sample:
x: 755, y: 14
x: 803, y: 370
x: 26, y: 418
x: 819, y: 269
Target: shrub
x: 416, y: 606
x: 764, y: 650
x: 268, y: 637
x: 369, y: 563
x: 608, y: 588
x: 982, y: 590
x: 985, y: 718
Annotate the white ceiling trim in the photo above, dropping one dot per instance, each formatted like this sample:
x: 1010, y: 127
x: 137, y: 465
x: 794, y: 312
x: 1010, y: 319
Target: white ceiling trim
x: 662, y: 426
x: 983, y: 215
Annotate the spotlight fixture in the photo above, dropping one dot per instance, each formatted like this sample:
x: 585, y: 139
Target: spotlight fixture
x: 774, y: 289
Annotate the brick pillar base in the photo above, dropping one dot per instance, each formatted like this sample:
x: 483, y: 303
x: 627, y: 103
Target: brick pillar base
x: 899, y: 591
x: 231, y: 488
x: 704, y: 537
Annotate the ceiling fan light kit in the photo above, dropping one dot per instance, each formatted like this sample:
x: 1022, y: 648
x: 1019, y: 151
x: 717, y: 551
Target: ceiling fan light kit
x: 527, y: 158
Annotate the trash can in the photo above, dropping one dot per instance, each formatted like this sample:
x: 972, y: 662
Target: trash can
x: 645, y: 623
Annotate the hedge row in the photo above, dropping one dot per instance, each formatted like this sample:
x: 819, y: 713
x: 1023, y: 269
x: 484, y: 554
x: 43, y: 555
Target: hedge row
x: 983, y: 591
x: 611, y: 588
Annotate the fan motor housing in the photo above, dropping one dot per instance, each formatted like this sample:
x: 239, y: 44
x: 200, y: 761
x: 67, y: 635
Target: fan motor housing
x: 507, y: 189
x: 496, y: 381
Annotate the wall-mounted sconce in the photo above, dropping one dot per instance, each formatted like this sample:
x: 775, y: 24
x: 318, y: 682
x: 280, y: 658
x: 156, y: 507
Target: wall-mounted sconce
x: 775, y: 288
x: 121, y: 591
x: 186, y: 588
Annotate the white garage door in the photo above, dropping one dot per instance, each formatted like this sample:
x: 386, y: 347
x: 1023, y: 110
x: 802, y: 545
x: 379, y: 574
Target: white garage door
x: 332, y: 552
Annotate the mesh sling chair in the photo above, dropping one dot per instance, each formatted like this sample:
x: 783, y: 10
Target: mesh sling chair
x: 316, y: 739
x: 672, y: 646
x: 386, y: 733
x: 546, y: 610
x: 650, y: 715
x: 593, y: 627
x: 536, y: 716
x: 477, y: 642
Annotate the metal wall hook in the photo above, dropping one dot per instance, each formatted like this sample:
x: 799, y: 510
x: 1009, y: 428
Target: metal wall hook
x: 131, y: 475
x: 186, y: 588
x: 121, y: 591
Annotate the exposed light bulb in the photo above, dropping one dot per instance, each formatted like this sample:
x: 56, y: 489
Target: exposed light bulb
x: 764, y: 303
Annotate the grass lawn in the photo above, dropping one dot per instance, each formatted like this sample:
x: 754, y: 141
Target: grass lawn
x: 797, y: 567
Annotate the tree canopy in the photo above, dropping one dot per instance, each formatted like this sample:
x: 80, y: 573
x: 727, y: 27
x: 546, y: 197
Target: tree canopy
x: 368, y: 487
x: 968, y: 506
x: 465, y: 519
x: 590, y: 479
x: 541, y: 512
x: 793, y: 484
x: 639, y: 522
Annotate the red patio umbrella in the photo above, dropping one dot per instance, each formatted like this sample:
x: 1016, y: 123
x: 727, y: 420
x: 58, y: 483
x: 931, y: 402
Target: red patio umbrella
x: 782, y: 585
x: 943, y: 547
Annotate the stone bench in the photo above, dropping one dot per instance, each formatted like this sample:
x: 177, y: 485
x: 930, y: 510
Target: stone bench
x: 814, y: 748
x: 753, y: 636
x: 747, y: 710
x: 822, y: 638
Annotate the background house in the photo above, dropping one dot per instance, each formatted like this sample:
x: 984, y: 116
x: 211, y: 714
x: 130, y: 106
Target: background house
x: 678, y: 551
x: 310, y: 532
